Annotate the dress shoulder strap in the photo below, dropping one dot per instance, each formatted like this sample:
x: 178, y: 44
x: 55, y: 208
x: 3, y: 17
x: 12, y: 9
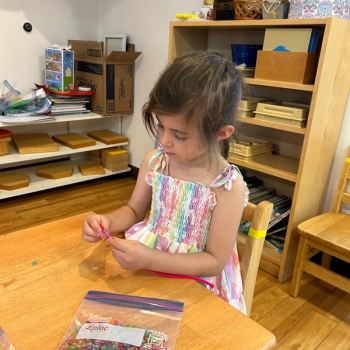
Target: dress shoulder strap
x: 225, y: 177
x: 159, y: 161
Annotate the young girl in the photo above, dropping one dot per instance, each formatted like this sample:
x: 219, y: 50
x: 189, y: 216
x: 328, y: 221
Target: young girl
x: 196, y: 196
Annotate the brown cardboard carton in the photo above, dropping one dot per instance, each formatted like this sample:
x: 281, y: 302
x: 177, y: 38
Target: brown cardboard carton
x: 110, y: 78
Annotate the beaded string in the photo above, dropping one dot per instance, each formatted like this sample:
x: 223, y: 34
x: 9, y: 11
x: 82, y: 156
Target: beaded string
x: 105, y: 233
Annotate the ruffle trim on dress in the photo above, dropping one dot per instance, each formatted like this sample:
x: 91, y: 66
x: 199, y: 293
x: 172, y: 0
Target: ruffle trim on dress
x: 156, y: 241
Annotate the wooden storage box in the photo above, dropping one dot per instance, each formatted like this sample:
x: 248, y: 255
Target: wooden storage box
x: 4, y: 145
x: 115, y: 155
x: 88, y: 169
x: 293, y: 114
x: 293, y: 67
x: 115, y: 166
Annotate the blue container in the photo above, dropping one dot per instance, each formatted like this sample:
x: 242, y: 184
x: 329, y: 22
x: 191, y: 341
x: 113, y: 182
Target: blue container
x: 245, y: 53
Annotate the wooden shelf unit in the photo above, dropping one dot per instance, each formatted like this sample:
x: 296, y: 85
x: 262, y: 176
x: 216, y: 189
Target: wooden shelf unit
x: 303, y: 158
x: 28, y: 163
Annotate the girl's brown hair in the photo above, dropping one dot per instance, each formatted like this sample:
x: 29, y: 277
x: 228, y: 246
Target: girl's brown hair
x: 203, y: 87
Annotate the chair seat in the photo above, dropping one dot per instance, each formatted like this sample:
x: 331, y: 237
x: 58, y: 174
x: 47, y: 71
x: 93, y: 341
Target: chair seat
x: 329, y: 229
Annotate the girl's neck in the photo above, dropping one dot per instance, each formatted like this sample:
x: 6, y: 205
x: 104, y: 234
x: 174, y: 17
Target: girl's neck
x: 196, y: 170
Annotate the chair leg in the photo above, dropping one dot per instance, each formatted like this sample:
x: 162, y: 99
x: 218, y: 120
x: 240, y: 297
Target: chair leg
x: 298, y: 272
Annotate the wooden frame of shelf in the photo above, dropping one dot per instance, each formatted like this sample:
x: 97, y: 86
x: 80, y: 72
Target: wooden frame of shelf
x: 28, y: 163
x: 309, y: 174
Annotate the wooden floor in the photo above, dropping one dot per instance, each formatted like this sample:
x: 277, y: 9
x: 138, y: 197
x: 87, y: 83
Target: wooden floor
x: 317, y: 319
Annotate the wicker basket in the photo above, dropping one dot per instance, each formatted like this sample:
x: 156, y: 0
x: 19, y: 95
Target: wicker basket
x: 248, y: 9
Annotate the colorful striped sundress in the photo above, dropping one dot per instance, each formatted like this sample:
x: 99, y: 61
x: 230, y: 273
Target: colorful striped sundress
x: 179, y: 222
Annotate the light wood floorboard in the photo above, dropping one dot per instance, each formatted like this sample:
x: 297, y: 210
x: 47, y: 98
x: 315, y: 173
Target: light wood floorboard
x: 319, y: 318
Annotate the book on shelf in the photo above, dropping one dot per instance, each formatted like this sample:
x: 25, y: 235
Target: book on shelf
x: 67, y: 105
x: 274, y: 243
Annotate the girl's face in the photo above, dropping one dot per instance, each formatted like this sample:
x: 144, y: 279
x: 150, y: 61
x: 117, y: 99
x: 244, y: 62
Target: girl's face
x: 180, y: 140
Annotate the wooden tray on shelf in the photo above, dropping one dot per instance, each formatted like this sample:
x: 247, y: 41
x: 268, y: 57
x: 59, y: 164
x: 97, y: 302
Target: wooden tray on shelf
x: 34, y: 143
x: 73, y: 140
x: 107, y: 136
x: 13, y: 181
x: 55, y: 171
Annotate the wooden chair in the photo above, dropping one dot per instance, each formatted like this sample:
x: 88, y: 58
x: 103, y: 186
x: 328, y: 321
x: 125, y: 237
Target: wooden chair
x: 250, y: 254
x: 328, y: 233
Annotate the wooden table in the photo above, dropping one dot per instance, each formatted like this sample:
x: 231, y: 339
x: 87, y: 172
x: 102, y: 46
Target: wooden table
x: 45, y: 272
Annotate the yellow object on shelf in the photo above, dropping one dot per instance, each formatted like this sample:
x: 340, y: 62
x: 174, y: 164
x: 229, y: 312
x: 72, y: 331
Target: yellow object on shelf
x: 185, y: 15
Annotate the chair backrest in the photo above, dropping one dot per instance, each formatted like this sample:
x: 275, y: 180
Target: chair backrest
x: 342, y: 195
x: 259, y: 217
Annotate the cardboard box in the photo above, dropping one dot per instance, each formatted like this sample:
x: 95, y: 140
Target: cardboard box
x: 59, y: 71
x: 293, y: 67
x: 115, y: 155
x: 110, y: 78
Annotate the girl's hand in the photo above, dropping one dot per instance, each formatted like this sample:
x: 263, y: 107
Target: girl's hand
x: 91, y: 230
x: 131, y: 255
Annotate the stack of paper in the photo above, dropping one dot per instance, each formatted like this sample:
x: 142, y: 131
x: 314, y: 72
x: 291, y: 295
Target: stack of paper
x: 63, y: 105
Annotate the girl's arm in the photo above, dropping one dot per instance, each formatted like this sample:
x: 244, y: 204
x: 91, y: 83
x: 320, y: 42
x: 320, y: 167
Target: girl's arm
x: 222, y: 236
x: 124, y: 217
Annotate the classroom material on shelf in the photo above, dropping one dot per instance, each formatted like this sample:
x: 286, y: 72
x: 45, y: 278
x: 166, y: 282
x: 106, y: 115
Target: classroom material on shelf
x: 107, y: 137
x: 281, y: 206
x: 111, y: 78
x: 114, y: 154
x: 59, y: 68
x: 246, y: 72
x: 115, y: 159
x: 273, y: 9
x: 55, y: 171
x: 248, y: 104
x: 74, y: 140
x: 68, y: 105
x: 13, y: 181
x: 250, y: 148
x: 34, y: 143
x: 291, y: 39
x: 88, y: 169
x: 33, y: 103
x: 115, y: 166
x: 274, y: 243
x: 75, y: 92
x: 5, y: 140
x: 26, y: 120
x: 292, y: 114
x: 291, y: 67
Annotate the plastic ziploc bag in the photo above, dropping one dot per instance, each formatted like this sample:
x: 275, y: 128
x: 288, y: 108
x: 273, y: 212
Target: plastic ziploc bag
x: 117, y: 321
x: 5, y: 343
x: 33, y: 103
x: 8, y: 95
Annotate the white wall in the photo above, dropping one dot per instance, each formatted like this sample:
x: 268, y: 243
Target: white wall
x: 146, y: 23
x: 53, y: 22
